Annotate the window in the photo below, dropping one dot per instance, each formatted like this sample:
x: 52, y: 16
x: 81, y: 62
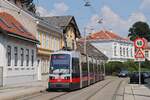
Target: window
x: 39, y: 36
x: 75, y: 65
x: 32, y: 57
x: 50, y: 42
x: 22, y: 56
x: 120, y: 51
x: 127, y: 52
x: 124, y: 51
x: 16, y: 55
x: 9, y: 55
x: 43, y: 40
x: 115, y: 50
x: 55, y: 44
x: 47, y: 41
x: 131, y: 53
x: 27, y: 57
x: 146, y: 54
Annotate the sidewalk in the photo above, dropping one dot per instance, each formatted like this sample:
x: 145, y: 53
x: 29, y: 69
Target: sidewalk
x: 20, y: 90
x: 137, y: 92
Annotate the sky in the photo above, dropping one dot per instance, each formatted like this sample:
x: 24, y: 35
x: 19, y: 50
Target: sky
x: 116, y: 15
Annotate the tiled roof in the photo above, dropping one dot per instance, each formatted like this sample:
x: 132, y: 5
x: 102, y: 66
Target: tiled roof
x: 9, y: 24
x: 61, y: 21
x: 106, y: 35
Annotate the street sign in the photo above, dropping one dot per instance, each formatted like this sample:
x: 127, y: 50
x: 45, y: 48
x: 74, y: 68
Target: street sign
x: 139, y: 54
x: 139, y: 59
x: 139, y: 43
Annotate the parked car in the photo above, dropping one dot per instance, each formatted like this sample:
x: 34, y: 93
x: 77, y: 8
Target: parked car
x: 134, y: 77
x: 123, y: 74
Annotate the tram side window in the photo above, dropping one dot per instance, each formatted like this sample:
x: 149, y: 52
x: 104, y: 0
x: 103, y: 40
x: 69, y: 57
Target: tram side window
x: 91, y: 66
x: 75, y: 65
x: 84, y: 67
x: 95, y: 67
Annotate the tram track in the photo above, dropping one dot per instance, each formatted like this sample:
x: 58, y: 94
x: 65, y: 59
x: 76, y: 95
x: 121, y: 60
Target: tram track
x: 57, y: 95
x: 42, y: 94
x: 116, y: 90
x: 82, y: 91
x: 114, y: 94
x: 93, y: 94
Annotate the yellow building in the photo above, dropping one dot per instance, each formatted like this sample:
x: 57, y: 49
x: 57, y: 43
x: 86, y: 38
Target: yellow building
x: 70, y: 29
x: 51, y: 40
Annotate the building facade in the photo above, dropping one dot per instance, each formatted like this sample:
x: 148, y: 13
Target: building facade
x: 50, y: 37
x: 70, y: 29
x: 50, y: 40
x: 113, y: 46
x: 146, y: 50
x: 18, y: 52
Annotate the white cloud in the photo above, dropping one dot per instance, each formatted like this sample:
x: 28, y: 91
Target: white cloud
x: 113, y: 21
x: 58, y: 9
x: 43, y: 12
x: 145, y: 5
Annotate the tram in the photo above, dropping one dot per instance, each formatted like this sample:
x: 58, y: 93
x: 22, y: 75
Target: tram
x: 72, y: 70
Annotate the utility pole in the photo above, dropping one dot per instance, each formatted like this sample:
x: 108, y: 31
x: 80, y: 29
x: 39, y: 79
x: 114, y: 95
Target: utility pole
x: 84, y: 40
x: 139, y: 73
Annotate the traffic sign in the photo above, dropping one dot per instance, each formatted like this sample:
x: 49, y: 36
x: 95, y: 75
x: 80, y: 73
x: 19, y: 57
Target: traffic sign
x: 139, y: 54
x: 139, y: 59
x: 139, y: 43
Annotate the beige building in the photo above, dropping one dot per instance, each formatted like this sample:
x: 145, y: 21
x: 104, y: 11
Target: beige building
x: 70, y: 29
x: 50, y: 37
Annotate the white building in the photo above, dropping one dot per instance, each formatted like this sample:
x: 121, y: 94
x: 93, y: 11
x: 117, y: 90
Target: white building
x: 18, y: 52
x: 50, y: 37
x: 113, y: 46
x: 147, y: 50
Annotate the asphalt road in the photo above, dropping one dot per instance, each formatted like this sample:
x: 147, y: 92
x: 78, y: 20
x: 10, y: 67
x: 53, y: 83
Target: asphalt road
x: 109, y: 89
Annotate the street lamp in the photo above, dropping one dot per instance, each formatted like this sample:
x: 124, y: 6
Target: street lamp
x: 87, y: 3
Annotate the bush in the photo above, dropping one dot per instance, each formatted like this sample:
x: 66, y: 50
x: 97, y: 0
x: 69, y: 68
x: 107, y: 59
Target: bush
x: 112, y: 68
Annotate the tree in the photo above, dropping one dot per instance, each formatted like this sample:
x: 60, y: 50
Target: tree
x: 139, y: 29
x: 25, y: 4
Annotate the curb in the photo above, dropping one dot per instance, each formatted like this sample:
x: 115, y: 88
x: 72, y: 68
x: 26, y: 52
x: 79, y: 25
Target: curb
x: 25, y: 93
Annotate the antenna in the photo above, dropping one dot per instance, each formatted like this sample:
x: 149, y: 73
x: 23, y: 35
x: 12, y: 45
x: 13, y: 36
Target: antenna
x: 87, y: 3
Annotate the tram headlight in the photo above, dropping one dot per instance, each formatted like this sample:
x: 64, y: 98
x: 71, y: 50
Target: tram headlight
x: 52, y: 77
x: 67, y: 78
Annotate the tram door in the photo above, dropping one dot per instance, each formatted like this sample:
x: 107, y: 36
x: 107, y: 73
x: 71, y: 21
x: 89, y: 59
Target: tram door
x: 84, y: 67
x: 75, y: 73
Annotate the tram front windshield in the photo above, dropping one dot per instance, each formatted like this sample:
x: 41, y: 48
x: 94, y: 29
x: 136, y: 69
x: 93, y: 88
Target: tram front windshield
x: 60, y: 64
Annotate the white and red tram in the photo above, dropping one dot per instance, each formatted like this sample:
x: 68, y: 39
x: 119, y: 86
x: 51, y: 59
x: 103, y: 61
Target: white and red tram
x: 71, y: 70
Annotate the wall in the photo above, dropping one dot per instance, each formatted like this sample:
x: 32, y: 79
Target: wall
x: 20, y: 73
x: 104, y: 47
x: 107, y: 47
x: 70, y: 37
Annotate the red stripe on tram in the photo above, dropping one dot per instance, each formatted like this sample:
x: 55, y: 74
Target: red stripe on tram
x: 74, y: 80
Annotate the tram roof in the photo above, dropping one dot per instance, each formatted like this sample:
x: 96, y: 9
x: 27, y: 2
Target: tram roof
x: 90, y: 50
x: 73, y: 53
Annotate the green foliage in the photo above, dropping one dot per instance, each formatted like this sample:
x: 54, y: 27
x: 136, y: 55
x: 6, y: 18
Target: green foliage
x: 131, y: 65
x: 139, y: 29
x: 146, y: 64
x: 114, y: 67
